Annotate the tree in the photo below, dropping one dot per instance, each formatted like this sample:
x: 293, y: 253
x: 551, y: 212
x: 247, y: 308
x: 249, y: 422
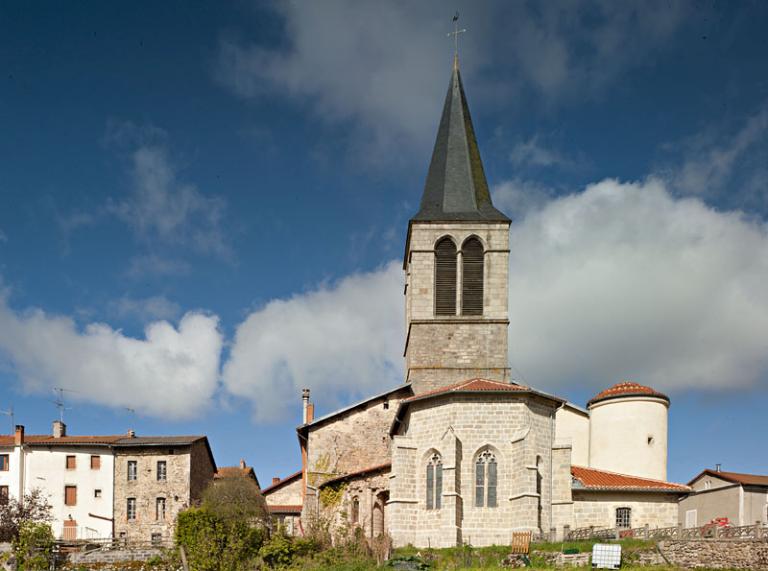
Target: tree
x: 14, y: 514
x: 235, y: 499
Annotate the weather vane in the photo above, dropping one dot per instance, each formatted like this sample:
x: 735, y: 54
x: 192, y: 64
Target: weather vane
x: 455, y: 33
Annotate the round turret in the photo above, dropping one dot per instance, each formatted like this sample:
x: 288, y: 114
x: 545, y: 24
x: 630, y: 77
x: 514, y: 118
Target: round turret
x: 628, y: 431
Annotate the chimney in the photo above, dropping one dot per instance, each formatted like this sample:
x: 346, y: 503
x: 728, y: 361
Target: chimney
x: 304, y: 405
x: 18, y: 438
x: 718, y: 467
x: 131, y: 433
x: 59, y: 429
x: 242, y: 464
x: 275, y: 480
x: 310, y: 412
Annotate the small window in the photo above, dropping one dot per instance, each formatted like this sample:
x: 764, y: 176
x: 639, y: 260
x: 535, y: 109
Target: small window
x: 162, y: 473
x: 70, y: 495
x: 95, y: 462
x: 355, y: 510
x: 650, y: 440
x: 96, y: 493
x: 624, y: 518
x: 71, y: 462
x: 130, y: 512
x: 4, y: 462
x: 434, y: 482
x: 4, y: 494
x: 133, y: 470
x: 160, y: 509
x: 157, y: 539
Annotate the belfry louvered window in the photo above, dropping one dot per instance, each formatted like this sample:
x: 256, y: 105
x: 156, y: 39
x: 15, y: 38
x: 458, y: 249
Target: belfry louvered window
x: 445, y: 277
x: 472, y: 277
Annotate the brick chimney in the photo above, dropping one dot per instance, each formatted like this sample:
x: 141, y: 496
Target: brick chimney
x: 18, y: 438
x: 59, y: 429
x: 275, y: 480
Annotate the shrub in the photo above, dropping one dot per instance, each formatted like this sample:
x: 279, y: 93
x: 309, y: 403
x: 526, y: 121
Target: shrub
x: 33, y: 547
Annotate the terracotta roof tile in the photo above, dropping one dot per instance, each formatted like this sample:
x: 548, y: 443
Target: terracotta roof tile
x: 626, y: 389
x: 114, y: 440
x: 593, y: 479
x: 472, y: 386
x: 736, y: 477
x: 285, y: 509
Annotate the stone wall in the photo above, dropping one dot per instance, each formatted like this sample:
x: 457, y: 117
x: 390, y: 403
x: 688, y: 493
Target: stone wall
x: 372, y: 493
x: 716, y: 554
x: 286, y: 495
x: 518, y: 430
x: 598, y: 509
x: 202, y: 470
x: 354, y: 440
x: 176, y: 490
x: 562, y: 499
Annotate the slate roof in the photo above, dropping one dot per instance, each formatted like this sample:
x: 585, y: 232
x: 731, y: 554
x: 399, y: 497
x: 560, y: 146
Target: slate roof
x: 626, y: 389
x: 735, y: 477
x: 456, y: 188
x: 595, y: 480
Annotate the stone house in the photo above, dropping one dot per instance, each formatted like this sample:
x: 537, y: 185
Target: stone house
x: 284, y: 502
x: 155, y: 478
x: 742, y: 498
x: 462, y: 452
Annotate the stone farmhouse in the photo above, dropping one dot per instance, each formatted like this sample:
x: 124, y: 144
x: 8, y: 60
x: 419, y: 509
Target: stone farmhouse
x: 122, y: 486
x: 461, y: 451
x: 284, y: 501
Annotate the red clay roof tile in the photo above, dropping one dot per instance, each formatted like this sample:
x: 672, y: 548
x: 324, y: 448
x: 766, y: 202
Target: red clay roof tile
x: 626, y: 389
x: 471, y: 386
x: 593, y: 479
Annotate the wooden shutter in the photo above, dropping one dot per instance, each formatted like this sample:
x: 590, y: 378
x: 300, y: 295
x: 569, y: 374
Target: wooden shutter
x: 70, y: 495
x: 445, y: 277
x: 71, y: 463
x: 472, y: 277
x: 4, y: 462
x: 95, y: 462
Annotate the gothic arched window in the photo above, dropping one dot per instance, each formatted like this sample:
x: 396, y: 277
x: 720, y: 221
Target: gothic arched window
x: 472, y: 277
x: 486, y: 479
x: 445, y: 277
x: 434, y: 482
x: 355, y: 510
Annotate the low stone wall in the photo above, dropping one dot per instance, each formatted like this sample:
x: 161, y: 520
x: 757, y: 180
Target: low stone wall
x: 716, y: 554
x: 114, y: 556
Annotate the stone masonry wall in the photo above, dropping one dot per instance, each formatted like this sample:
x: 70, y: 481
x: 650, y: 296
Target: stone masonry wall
x: 599, y: 509
x: 146, y: 489
x: 202, y: 470
x: 286, y: 495
x: 562, y: 498
x: 353, y: 441
x: 518, y: 430
x: 437, y: 344
x: 716, y: 554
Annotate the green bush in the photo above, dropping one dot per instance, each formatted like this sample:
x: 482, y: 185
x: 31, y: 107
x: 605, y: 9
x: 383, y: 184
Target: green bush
x: 34, y: 546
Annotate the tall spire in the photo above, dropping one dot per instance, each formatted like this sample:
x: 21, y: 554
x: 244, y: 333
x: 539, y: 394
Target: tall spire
x: 456, y: 188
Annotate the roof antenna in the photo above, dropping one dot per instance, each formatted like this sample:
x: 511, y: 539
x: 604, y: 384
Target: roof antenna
x: 9, y: 413
x: 59, y: 401
x: 455, y: 33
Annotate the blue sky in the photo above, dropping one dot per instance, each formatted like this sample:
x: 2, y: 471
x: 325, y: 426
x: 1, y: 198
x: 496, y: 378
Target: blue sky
x: 203, y: 210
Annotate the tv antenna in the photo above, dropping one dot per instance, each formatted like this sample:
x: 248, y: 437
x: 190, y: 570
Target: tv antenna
x: 9, y: 413
x: 59, y: 401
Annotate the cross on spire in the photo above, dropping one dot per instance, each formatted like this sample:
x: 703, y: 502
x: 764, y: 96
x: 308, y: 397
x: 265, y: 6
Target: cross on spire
x: 455, y: 33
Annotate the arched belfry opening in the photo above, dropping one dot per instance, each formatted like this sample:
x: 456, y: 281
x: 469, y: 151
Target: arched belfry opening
x: 445, y: 277
x: 472, y: 277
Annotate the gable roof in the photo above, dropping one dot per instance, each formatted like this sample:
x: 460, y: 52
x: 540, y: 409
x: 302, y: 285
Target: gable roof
x: 626, y: 389
x: 277, y: 485
x: 471, y: 386
x: 357, y: 473
x: 456, y: 188
x: 596, y: 480
x: 735, y: 477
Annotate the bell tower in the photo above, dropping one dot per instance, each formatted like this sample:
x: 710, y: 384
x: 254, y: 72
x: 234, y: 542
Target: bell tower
x: 456, y: 263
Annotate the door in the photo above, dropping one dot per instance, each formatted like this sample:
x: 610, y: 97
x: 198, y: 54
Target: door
x: 70, y: 530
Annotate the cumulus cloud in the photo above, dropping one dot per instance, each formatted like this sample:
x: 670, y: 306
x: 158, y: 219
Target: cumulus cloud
x: 339, y: 339
x: 384, y: 65
x: 171, y: 372
x: 535, y: 153
x: 625, y: 281
x: 518, y: 196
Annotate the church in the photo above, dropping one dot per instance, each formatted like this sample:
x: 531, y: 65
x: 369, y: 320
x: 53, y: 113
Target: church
x: 461, y: 452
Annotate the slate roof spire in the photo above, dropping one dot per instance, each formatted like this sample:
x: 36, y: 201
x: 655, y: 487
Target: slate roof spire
x: 456, y: 188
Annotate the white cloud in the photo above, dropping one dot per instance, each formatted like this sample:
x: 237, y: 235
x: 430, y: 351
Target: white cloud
x: 145, y: 309
x: 624, y: 281
x: 162, y: 208
x: 346, y: 338
x: 170, y: 373
x: 535, y: 153
x: 517, y: 197
x: 384, y: 65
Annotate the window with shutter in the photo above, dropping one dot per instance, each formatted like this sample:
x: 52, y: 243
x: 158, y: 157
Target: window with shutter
x: 95, y: 462
x: 472, y: 277
x: 71, y: 463
x: 70, y: 495
x: 445, y: 277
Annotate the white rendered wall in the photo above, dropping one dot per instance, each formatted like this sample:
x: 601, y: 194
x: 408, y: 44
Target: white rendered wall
x: 46, y: 470
x: 572, y: 427
x: 619, y: 435
x: 11, y: 478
